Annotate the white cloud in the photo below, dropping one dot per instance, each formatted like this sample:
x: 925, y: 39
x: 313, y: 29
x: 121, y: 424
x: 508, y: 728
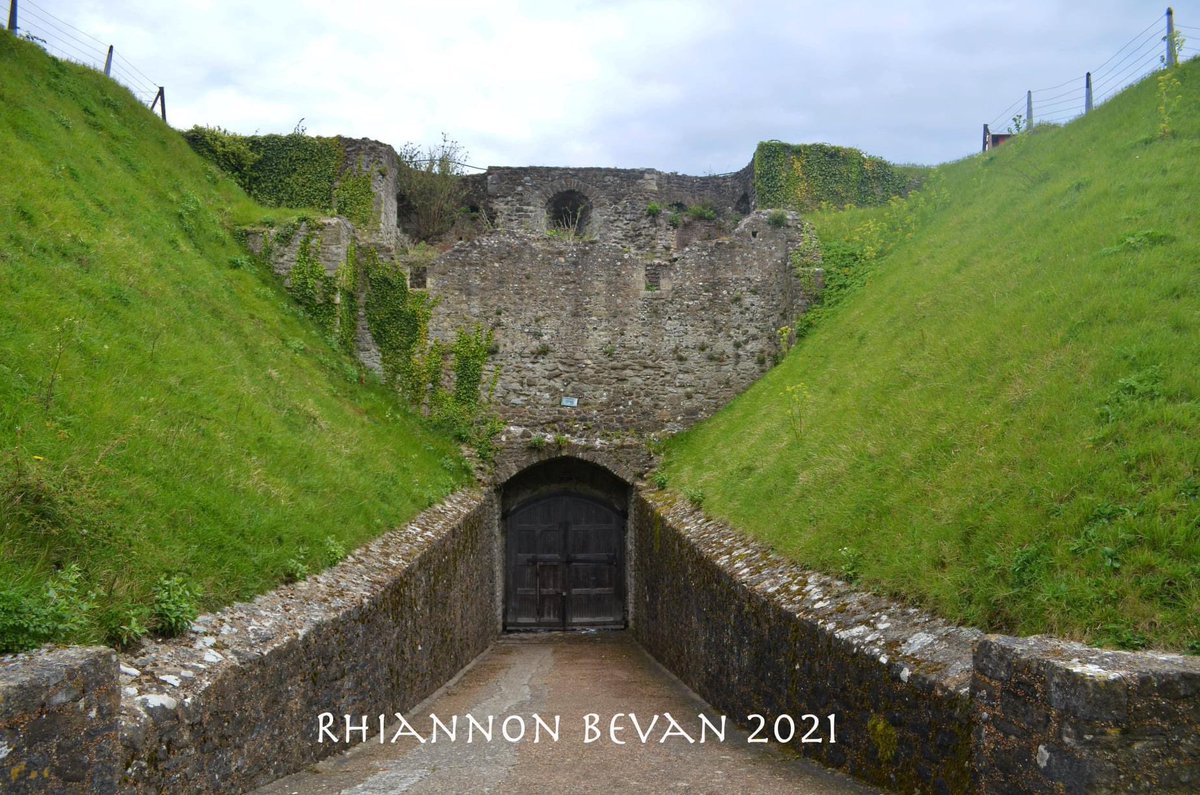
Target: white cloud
x: 688, y: 86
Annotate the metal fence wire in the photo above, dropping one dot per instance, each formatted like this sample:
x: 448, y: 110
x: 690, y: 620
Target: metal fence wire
x: 60, y: 38
x: 1156, y: 46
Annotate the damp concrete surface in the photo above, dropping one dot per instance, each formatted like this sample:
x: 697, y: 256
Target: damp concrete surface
x: 563, y: 678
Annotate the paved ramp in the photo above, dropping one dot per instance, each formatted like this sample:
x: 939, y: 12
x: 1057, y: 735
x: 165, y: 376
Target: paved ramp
x: 568, y: 675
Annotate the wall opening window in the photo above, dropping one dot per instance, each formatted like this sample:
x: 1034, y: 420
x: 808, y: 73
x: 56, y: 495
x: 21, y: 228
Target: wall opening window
x: 568, y: 211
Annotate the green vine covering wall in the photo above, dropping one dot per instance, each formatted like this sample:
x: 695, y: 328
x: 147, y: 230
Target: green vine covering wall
x: 470, y: 350
x: 804, y: 176
x: 347, y: 308
x: 294, y: 170
x: 396, y: 322
x: 311, y: 287
x: 353, y: 199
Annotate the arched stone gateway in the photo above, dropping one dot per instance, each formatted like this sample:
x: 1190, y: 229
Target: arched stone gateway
x: 565, y: 547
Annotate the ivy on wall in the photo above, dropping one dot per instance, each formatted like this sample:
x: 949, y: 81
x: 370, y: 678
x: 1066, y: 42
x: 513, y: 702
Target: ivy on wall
x: 804, y: 176
x: 311, y: 287
x: 346, y: 278
x: 294, y: 170
x: 470, y: 350
x: 353, y: 199
x: 396, y: 321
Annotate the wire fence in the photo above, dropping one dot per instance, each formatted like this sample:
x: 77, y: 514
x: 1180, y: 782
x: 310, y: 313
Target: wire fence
x: 62, y: 39
x: 1146, y: 52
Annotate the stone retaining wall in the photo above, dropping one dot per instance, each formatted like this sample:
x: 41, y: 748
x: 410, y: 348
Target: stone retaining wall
x: 233, y: 704
x: 921, y: 705
x: 753, y: 633
x: 1055, y: 716
x: 58, y: 721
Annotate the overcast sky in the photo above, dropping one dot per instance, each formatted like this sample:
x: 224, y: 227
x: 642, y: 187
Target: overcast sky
x: 678, y: 85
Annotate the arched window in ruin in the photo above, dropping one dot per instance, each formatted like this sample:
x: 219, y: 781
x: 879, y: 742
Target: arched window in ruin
x: 569, y: 211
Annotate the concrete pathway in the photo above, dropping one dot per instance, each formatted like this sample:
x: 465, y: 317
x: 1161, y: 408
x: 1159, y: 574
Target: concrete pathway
x: 568, y: 675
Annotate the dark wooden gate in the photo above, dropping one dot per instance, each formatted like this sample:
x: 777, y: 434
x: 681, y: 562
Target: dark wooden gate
x: 565, y: 564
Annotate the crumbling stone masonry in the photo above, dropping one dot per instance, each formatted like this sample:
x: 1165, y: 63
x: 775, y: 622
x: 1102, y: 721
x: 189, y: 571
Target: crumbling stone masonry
x: 597, y: 336
x: 620, y: 299
x: 612, y: 205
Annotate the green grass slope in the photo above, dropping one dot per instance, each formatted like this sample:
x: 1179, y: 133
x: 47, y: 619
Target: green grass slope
x: 164, y: 408
x: 1000, y: 419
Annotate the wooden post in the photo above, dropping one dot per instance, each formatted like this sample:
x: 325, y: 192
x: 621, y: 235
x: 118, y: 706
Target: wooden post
x: 12, y: 16
x: 1170, y: 36
x: 987, y: 134
x: 1087, y: 93
x: 160, y: 99
x: 108, y: 62
x: 1028, y: 109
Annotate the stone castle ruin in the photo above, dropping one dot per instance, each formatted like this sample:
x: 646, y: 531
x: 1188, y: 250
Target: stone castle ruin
x: 619, y: 299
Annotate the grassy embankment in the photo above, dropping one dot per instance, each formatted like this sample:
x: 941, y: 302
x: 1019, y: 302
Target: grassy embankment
x: 164, y: 407
x: 997, y: 415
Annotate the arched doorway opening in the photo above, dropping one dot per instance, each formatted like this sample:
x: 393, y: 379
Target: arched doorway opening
x: 565, y: 560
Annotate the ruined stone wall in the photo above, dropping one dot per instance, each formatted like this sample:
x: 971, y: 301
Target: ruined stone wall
x: 643, y: 342
x: 517, y: 199
x: 381, y: 162
x: 233, y: 704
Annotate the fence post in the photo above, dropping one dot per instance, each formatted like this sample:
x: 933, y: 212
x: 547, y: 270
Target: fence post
x: 1170, y: 36
x: 108, y: 62
x: 160, y: 99
x: 1028, y: 109
x: 1087, y: 93
x: 12, y: 17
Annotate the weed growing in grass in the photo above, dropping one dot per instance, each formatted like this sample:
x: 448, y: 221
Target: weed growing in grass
x: 335, y: 550
x: 174, y: 607
x: 29, y: 618
x: 1170, y: 90
x: 296, y: 567
x: 66, y: 334
x: 849, y: 564
x: 797, y: 396
x: 1137, y: 241
x: 123, y: 628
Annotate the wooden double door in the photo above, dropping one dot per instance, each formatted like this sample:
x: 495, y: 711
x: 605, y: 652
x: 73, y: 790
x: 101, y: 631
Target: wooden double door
x: 565, y: 564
